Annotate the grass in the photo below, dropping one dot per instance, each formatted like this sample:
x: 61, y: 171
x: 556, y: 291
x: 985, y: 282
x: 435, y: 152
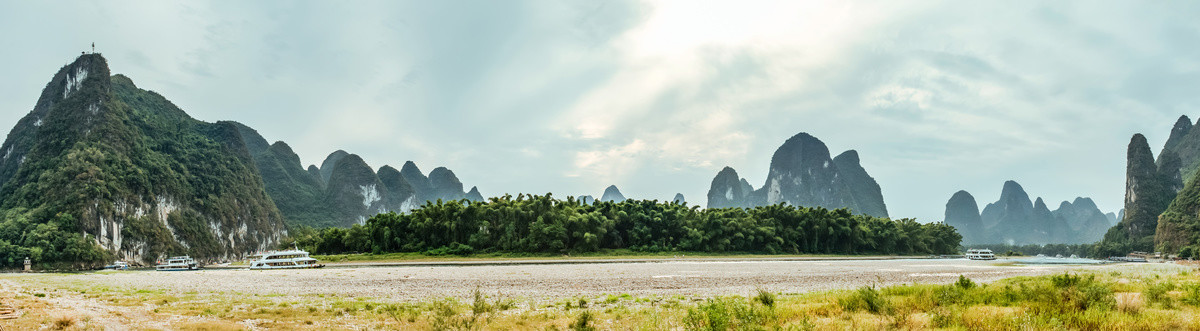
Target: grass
x: 1129, y: 299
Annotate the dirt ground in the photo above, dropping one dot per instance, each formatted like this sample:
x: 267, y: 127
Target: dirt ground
x: 51, y: 300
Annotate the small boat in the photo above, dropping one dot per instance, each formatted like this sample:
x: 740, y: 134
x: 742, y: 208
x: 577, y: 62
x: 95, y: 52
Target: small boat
x: 289, y: 259
x: 177, y: 263
x: 980, y: 254
x: 119, y: 265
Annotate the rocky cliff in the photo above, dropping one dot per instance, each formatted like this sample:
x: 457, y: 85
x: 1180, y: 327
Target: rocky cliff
x: 109, y: 170
x: 802, y: 173
x: 962, y: 212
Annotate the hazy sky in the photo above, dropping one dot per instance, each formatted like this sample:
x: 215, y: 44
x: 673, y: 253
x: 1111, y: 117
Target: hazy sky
x: 655, y: 97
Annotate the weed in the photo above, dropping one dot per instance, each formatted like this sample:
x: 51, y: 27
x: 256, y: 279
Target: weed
x: 582, y: 322
x: 1130, y: 302
x: 866, y: 298
x: 964, y: 283
x: 63, y: 322
x: 479, y: 305
x: 1156, y: 293
x: 725, y: 313
x: 765, y: 298
x: 1191, y: 294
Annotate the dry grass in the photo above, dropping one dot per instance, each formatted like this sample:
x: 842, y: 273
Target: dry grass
x: 1144, y: 300
x: 63, y: 322
x: 1130, y: 302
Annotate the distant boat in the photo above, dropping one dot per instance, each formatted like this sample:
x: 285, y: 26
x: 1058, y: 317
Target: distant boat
x: 177, y: 263
x: 289, y: 259
x: 119, y: 265
x: 980, y: 254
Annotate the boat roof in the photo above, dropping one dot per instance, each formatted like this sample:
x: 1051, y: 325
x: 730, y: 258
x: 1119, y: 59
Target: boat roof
x: 290, y: 251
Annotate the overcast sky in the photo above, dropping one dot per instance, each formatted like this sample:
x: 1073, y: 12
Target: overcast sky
x: 656, y: 97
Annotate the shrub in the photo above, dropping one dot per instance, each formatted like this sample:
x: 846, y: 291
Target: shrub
x: 865, y: 298
x: 1191, y: 294
x: 726, y: 313
x: 1065, y: 280
x: 964, y: 283
x: 1156, y: 293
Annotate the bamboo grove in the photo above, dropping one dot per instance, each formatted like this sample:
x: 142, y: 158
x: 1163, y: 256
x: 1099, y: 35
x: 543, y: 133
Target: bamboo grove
x: 542, y: 224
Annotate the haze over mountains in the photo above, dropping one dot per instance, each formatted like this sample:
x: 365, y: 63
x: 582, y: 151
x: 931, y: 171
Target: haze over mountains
x: 1014, y: 219
x: 345, y: 190
x: 142, y: 178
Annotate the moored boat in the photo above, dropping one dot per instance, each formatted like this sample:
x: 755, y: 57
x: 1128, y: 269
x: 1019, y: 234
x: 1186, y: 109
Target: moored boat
x: 289, y: 259
x: 177, y: 263
x: 980, y: 254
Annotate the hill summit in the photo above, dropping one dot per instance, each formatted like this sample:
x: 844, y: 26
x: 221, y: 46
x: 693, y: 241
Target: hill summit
x: 101, y: 169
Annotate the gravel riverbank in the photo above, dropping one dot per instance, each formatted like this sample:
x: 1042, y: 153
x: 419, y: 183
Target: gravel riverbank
x: 554, y: 281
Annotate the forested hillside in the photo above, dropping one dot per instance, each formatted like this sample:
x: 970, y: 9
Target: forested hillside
x: 101, y: 169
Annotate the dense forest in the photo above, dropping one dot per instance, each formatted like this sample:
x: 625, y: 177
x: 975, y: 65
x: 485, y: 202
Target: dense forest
x: 542, y: 224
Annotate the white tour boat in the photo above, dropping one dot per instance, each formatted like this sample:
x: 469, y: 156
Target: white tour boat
x: 980, y: 254
x: 289, y: 259
x: 177, y: 263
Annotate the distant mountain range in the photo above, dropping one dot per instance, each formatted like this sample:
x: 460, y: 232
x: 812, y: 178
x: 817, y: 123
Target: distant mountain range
x: 115, y: 171
x: 1014, y: 219
x: 344, y: 190
x: 109, y: 170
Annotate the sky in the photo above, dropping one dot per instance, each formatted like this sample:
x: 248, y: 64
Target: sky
x: 657, y: 96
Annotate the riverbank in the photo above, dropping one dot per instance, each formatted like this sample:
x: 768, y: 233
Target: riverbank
x: 615, y: 295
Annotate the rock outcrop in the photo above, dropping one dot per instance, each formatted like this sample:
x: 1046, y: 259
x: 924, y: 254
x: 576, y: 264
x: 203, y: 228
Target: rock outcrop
x: 1148, y: 192
x: 679, y: 199
x: 612, y: 194
x: 104, y: 169
x: 962, y: 212
x: 316, y: 175
x: 474, y: 195
x: 727, y: 190
x: 400, y: 196
x: 445, y: 185
x: 1013, y: 219
x: 330, y: 161
x: 864, y: 191
x: 420, y: 183
x: 1084, y: 219
x: 802, y: 173
x: 354, y: 192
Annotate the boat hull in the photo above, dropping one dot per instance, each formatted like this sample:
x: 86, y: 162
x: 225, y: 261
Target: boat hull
x: 305, y: 266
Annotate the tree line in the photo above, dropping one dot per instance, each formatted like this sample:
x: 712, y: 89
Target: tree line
x: 542, y: 224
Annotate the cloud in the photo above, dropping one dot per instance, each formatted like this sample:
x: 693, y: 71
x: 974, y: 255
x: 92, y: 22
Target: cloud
x: 657, y: 96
